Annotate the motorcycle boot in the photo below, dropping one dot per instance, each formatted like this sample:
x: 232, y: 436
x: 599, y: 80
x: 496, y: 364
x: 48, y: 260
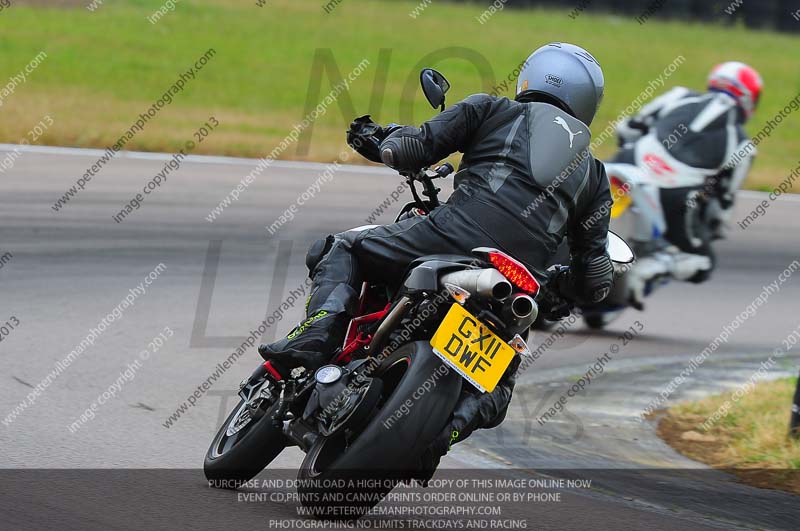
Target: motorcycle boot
x: 670, y: 262
x: 312, y: 343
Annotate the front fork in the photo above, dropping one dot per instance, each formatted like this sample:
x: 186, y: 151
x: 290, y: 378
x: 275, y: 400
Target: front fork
x: 265, y: 387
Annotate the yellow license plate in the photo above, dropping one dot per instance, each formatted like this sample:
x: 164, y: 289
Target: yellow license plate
x: 621, y: 201
x: 470, y: 348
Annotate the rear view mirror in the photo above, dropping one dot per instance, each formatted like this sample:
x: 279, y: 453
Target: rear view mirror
x: 619, y: 251
x: 434, y: 86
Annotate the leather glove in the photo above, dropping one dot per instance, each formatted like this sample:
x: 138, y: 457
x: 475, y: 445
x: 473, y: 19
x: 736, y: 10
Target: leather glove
x: 553, y: 306
x: 365, y: 136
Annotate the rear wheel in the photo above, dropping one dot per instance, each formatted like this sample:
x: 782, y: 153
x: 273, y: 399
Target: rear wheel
x: 245, y: 444
x: 389, y: 448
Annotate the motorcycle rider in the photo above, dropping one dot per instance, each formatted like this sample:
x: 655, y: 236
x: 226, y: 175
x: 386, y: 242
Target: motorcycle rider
x: 529, y: 151
x: 695, y: 145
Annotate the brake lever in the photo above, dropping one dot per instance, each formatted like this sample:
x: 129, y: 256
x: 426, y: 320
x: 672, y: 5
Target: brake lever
x: 439, y: 172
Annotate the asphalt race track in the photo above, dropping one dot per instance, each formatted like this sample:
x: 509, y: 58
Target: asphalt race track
x: 70, y: 269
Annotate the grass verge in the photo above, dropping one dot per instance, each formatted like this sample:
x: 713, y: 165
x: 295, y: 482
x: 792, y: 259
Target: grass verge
x: 751, y: 440
x: 106, y: 66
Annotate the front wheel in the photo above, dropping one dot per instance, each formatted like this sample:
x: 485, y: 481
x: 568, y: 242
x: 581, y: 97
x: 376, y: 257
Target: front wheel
x: 243, y: 446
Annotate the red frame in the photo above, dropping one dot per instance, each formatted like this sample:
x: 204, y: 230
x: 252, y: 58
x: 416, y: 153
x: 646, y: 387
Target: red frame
x: 355, y: 340
x: 271, y: 370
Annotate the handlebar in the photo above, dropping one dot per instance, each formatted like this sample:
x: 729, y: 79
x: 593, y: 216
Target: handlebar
x: 426, y: 177
x: 439, y: 172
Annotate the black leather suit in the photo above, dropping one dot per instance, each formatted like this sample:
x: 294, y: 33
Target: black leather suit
x: 526, y: 181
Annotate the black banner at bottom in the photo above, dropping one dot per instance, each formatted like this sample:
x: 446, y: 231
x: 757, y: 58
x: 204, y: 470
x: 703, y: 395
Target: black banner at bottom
x: 454, y: 499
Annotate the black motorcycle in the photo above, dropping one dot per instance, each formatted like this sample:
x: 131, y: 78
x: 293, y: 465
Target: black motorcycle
x: 409, y: 354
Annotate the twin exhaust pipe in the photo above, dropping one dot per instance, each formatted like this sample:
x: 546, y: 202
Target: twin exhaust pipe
x: 490, y: 283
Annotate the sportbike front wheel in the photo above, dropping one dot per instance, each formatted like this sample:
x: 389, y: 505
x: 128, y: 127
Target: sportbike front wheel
x: 246, y: 443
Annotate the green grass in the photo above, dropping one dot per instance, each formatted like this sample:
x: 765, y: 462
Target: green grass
x: 105, y: 67
x: 751, y: 439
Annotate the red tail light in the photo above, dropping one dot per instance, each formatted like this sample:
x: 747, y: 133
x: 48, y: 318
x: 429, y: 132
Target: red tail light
x: 514, y: 271
x: 618, y: 188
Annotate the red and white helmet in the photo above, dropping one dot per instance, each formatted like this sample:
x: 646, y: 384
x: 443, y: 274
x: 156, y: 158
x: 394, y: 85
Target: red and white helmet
x: 739, y: 81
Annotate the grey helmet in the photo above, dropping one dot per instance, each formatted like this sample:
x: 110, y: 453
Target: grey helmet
x: 565, y: 73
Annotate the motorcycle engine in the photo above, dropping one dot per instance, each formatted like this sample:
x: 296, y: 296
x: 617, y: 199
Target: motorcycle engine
x: 343, y: 396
